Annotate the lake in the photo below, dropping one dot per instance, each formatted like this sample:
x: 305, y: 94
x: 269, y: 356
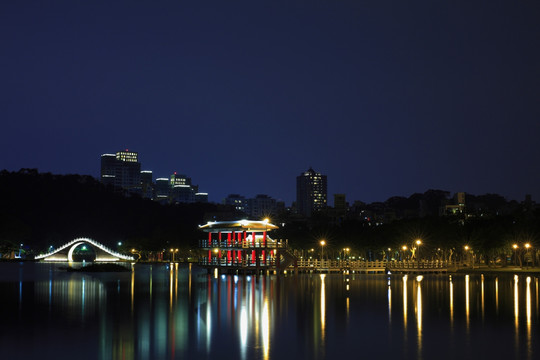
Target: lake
x: 164, y: 311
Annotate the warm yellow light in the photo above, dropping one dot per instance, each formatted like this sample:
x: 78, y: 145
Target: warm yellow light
x: 347, y: 249
x: 527, y: 245
x: 418, y: 242
x: 515, y: 246
x: 404, y: 248
x: 266, y: 220
x: 216, y: 251
x: 467, y: 247
x: 323, y: 242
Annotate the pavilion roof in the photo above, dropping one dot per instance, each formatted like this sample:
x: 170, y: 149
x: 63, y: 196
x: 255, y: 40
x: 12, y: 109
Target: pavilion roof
x: 237, y: 225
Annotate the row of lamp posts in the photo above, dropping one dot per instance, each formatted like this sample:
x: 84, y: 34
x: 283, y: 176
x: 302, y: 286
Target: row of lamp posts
x: 527, y: 246
x: 418, y: 242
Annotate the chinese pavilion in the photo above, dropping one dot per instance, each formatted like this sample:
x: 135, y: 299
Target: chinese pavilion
x: 243, y: 246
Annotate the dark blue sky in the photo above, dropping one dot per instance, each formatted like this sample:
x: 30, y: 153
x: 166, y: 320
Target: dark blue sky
x: 385, y: 97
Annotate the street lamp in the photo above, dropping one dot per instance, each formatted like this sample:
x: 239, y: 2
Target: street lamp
x: 527, y: 246
x: 322, y: 248
x: 173, y: 251
x: 515, y: 246
x: 418, y: 243
x: 347, y: 253
x: 134, y: 251
x: 470, y: 259
x: 403, y: 248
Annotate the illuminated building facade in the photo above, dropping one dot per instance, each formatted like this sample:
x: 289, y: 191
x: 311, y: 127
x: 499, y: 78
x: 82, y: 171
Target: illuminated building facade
x: 311, y: 194
x: 178, y: 189
x: 122, y: 170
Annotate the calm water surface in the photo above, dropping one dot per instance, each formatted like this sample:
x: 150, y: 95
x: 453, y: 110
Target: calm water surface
x: 178, y: 312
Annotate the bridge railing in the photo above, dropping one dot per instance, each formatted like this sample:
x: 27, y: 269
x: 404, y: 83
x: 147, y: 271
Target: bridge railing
x: 246, y: 244
x: 249, y: 263
x: 362, y: 264
x: 87, y: 240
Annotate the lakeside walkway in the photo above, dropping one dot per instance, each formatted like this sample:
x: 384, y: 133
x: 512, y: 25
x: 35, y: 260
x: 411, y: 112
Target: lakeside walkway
x: 369, y: 267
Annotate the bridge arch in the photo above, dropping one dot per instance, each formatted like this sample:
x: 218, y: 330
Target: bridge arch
x: 65, y: 252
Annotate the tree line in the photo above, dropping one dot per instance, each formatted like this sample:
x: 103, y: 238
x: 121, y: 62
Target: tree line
x: 40, y: 210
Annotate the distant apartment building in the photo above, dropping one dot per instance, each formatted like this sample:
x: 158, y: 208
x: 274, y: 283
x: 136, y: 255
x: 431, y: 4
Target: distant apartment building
x: 311, y: 195
x: 458, y: 206
x: 239, y: 202
x: 201, y: 197
x: 255, y: 208
x: 261, y: 206
x: 122, y: 170
x: 340, y: 203
x: 339, y: 212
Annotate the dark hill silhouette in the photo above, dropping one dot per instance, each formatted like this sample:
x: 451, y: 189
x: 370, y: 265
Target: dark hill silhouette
x: 42, y: 209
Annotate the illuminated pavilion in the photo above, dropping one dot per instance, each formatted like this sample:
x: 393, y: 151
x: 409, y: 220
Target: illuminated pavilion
x: 243, y: 246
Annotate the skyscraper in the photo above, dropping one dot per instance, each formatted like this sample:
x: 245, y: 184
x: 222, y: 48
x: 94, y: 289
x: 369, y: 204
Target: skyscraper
x: 122, y: 170
x: 310, y: 192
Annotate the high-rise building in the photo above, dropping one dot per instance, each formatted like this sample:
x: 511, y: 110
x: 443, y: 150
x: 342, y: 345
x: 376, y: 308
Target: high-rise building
x: 147, y: 184
x: 162, y: 190
x: 178, y: 179
x: 122, y: 170
x: 310, y: 192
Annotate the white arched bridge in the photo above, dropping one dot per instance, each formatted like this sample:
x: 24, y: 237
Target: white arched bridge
x: 65, y: 252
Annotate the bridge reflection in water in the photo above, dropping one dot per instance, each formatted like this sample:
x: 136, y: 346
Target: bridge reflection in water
x: 175, y: 311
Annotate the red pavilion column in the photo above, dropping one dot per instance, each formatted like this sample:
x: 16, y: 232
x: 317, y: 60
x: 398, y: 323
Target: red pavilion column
x: 264, y: 244
x: 228, y: 251
x: 219, y: 247
x: 253, y: 252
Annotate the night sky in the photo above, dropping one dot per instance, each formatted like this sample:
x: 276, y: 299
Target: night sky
x: 384, y: 97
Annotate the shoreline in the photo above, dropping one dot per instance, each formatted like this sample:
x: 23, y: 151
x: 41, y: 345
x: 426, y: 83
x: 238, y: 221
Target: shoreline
x: 510, y: 270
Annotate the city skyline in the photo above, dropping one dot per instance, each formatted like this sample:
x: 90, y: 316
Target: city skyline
x: 123, y: 171
x: 386, y: 99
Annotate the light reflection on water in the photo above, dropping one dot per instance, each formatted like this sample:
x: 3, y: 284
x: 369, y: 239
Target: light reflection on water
x: 170, y: 311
